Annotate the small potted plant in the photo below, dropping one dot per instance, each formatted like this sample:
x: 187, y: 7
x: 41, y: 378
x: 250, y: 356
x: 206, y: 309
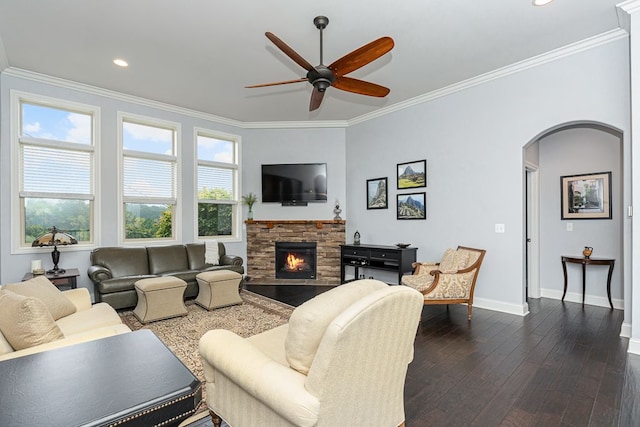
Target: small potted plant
x: 249, y: 200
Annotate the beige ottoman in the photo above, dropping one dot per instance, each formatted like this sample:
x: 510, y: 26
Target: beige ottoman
x: 218, y: 289
x: 160, y: 298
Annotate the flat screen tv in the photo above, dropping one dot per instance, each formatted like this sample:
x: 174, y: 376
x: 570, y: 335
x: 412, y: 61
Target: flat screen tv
x: 294, y: 183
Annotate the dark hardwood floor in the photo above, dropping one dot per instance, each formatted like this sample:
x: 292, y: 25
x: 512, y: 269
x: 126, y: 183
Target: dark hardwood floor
x: 562, y: 365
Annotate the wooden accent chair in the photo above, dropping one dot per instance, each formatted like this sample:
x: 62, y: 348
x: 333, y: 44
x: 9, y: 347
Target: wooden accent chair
x: 450, y: 281
x: 341, y: 360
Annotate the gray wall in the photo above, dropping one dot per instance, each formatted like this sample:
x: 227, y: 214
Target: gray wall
x: 473, y: 141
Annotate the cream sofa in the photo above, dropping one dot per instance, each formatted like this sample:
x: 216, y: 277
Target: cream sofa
x: 86, y: 322
x: 341, y: 360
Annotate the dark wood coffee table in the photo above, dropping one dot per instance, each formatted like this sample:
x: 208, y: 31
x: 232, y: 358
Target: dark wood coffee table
x: 130, y: 379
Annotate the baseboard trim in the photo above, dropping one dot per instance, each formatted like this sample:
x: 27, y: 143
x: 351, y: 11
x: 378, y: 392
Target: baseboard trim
x: 577, y: 297
x: 489, y: 304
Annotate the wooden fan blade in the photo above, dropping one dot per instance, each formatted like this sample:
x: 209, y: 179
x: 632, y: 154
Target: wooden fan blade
x: 316, y: 99
x: 286, y: 82
x: 360, y: 86
x: 289, y: 52
x: 362, y: 56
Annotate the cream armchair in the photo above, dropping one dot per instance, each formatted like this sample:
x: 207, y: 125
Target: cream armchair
x: 341, y: 360
x: 450, y: 281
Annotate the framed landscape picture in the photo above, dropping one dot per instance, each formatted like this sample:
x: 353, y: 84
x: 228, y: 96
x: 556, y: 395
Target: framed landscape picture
x: 586, y: 196
x: 412, y: 206
x: 412, y: 174
x: 377, y: 193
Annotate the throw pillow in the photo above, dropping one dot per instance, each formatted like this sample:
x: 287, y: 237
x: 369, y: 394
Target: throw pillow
x: 40, y: 287
x: 211, y: 254
x: 26, y: 321
x: 309, y: 321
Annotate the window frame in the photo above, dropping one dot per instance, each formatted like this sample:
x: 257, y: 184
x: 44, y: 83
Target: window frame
x: 236, y: 222
x: 175, y: 127
x: 17, y: 98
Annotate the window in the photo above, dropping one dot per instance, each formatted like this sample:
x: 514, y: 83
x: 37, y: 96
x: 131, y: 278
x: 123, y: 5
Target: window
x: 55, y: 186
x: 149, y: 178
x: 217, y: 187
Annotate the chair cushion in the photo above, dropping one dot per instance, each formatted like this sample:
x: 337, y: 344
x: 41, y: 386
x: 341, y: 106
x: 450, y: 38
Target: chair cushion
x: 419, y: 282
x: 26, y: 321
x: 40, y: 287
x: 454, y: 260
x: 309, y: 321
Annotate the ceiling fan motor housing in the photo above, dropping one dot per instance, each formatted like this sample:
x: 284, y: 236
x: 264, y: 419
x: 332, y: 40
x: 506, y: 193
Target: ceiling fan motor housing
x: 321, y: 77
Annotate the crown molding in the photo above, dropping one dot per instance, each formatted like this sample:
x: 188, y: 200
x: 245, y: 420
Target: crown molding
x: 517, y: 67
x: 94, y: 90
x: 571, y: 49
x: 624, y: 11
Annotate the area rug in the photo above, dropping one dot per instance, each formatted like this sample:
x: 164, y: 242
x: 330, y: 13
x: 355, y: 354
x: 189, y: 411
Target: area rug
x: 181, y: 334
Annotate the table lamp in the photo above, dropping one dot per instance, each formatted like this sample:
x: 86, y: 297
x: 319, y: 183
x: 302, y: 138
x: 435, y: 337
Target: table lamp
x: 55, y: 238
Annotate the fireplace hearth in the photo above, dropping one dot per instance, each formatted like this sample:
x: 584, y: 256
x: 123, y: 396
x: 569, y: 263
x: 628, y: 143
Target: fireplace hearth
x: 296, y: 260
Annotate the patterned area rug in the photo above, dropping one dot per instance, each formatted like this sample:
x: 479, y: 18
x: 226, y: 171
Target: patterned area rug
x: 181, y: 334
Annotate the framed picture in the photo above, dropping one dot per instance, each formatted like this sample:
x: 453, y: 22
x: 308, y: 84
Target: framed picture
x: 412, y: 174
x: 412, y: 206
x: 377, y: 193
x: 586, y: 196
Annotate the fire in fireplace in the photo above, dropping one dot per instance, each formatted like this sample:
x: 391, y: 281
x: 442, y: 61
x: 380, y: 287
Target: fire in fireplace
x: 295, y: 260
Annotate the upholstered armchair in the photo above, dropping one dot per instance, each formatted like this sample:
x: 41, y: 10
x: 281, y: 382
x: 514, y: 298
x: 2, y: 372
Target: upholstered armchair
x: 341, y: 360
x: 450, y: 281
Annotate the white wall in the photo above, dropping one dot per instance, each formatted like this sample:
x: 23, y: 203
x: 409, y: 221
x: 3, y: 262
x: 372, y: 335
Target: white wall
x: 570, y: 152
x: 473, y: 141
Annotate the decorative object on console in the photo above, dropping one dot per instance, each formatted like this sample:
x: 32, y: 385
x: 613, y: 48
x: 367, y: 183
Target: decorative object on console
x: 403, y: 245
x: 337, y: 211
x: 356, y: 238
x: 249, y: 200
x: 587, y: 251
x: 586, y: 196
x: 412, y: 174
x: 377, y: 193
x: 411, y: 206
x: 55, y: 238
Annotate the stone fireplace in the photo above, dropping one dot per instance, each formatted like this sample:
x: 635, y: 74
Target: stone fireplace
x: 262, y: 236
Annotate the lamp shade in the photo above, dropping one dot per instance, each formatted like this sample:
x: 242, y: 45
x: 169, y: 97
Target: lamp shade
x: 55, y: 238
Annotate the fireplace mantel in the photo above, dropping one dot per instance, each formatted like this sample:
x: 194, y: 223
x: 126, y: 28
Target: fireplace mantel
x: 262, y: 235
x: 319, y: 223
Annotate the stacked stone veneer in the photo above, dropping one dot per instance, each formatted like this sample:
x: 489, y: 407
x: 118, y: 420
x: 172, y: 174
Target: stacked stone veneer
x: 263, y: 235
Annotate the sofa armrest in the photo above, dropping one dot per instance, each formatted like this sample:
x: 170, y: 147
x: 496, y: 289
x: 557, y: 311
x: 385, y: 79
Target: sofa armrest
x: 98, y: 273
x: 80, y: 297
x: 276, y: 386
x: 230, y: 260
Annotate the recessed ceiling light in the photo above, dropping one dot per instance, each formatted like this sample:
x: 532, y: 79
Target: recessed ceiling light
x: 120, y: 62
x: 541, y: 2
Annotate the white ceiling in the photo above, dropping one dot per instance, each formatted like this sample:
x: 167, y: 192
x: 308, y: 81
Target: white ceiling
x: 199, y: 54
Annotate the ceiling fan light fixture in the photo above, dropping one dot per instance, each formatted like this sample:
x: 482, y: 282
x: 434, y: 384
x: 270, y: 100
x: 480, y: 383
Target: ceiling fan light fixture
x: 541, y: 2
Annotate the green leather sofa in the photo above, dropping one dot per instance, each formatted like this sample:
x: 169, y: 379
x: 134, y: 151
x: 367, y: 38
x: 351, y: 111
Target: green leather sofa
x: 115, y: 270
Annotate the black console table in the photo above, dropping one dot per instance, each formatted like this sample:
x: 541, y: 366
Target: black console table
x: 388, y: 258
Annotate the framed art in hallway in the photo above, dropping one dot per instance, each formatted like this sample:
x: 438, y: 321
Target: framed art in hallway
x: 412, y: 174
x: 586, y: 196
x: 377, y: 196
x: 412, y: 206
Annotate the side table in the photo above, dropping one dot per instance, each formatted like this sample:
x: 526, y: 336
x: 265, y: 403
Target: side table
x: 66, y: 279
x: 588, y: 261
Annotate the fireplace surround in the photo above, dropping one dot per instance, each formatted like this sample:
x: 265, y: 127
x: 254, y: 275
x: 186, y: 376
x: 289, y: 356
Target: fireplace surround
x: 262, y: 236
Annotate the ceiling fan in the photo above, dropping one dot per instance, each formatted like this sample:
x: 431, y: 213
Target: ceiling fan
x: 322, y: 76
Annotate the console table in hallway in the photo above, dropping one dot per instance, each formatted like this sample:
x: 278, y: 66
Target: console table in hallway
x: 587, y: 261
